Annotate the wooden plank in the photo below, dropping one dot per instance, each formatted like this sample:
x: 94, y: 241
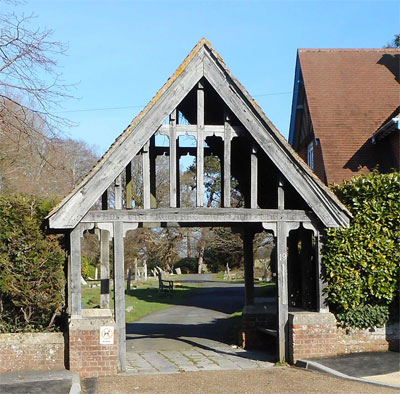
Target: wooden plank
x: 253, y: 179
x: 116, y: 159
x: 172, y: 160
x: 104, y: 269
x: 153, y: 156
x: 119, y: 294
x: 283, y: 309
x: 146, y: 176
x: 322, y: 304
x: 281, y: 194
x: 218, y: 215
x: 248, y: 236
x: 129, y: 185
x: 227, y: 162
x: 118, y: 192
x: 267, y: 137
x: 200, y: 146
x: 209, y: 130
x: 76, y: 270
x: 104, y: 200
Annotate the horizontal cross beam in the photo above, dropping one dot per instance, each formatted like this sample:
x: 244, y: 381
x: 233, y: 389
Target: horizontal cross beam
x: 199, y: 215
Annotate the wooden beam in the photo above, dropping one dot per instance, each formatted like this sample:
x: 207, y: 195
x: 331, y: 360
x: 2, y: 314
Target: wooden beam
x: 227, y: 162
x: 104, y: 269
x: 200, y: 146
x: 217, y: 215
x: 153, y: 157
x: 129, y: 185
x: 322, y: 304
x: 104, y: 200
x: 283, y: 309
x: 119, y: 294
x: 254, y: 179
x: 248, y: 237
x: 209, y: 130
x: 76, y: 270
x: 281, y: 194
x: 146, y: 176
x: 118, y: 193
x: 172, y: 160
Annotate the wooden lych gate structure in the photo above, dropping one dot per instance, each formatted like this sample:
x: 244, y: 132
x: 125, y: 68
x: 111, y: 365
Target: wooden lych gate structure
x: 280, y: 193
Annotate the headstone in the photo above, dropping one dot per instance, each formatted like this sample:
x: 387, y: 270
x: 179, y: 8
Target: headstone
x: 145, y: 269
x: 227, y: 272
x: 178, y: 271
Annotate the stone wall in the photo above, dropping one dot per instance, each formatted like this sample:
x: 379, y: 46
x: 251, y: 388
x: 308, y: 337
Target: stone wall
x: 87, y: 355
x: 31, y: 351
x: 352, y: 340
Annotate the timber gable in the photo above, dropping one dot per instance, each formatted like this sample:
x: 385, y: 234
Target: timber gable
x: 266, y: 152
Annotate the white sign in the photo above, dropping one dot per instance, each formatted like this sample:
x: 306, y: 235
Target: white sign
x: 107, y: 335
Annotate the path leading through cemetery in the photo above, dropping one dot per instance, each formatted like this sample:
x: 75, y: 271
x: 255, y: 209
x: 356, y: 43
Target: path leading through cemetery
x: 192, y: 337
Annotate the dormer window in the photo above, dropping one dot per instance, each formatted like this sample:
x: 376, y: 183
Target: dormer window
x: 310, y: 155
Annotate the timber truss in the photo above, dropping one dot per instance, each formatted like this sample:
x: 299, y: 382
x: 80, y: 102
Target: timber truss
x: 278, y: 191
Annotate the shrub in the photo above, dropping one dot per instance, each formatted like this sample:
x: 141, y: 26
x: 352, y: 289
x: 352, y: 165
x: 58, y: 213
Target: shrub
x: 31, y: 266
x: 362, y: 261
x: 188, y: 265
x: 364, y: 316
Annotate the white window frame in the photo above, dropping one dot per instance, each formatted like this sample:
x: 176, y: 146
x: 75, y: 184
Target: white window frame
x: 310, y: 155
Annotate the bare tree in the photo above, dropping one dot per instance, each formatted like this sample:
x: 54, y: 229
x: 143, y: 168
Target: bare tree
x: 30, y: 85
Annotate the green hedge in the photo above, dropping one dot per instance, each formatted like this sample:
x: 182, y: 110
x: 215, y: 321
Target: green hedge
x: 31, y: 266
x: 362, y: 261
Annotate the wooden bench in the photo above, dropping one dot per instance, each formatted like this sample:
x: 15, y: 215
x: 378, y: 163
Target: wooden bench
x: 165, y: 286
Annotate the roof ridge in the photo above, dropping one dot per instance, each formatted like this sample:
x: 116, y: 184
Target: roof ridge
x: 348, y: 49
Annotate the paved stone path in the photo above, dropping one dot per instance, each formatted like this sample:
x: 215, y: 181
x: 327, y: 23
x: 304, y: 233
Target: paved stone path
x: 195, y: 359
x: 192, y: 337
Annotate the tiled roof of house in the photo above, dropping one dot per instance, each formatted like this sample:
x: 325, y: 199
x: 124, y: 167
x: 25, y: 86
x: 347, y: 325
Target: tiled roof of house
x: 351, y: 93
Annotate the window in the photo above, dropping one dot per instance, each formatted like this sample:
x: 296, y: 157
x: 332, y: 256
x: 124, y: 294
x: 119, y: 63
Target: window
x: 310, y: 155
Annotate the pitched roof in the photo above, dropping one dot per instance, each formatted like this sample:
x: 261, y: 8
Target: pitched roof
x: 203, y: 61
x: 350, y: 93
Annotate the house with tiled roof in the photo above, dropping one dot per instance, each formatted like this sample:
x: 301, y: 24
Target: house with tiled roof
x: 346, y: 111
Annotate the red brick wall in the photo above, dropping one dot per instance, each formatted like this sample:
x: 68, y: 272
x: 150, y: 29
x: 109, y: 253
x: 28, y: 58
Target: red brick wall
x: 31, y: 351
x: 86, y: 355
x: 311, y: 334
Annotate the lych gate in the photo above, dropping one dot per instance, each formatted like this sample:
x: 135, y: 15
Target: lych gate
x: 280, y: 194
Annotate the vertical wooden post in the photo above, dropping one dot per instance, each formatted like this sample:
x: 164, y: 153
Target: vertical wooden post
x: 152, y: 157
x: 172, y: 160
x: 227, y: 162
x: 253, y: 178
x: 104, y: 269
x: 129, y: 185
x: 118, y: 193
x: 76, y: 270
x: 200, y: 146
x: 104, y: 200
x: 119, y: 293
x: 248, y: 236
x: 281, y: 194
x: 283, y: 309
x: 146, y: 176
x: 322, y: 305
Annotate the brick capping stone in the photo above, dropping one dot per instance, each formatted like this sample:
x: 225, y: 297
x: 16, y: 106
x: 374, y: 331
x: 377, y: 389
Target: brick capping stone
x: 32, y: 351
x: 86, y: 355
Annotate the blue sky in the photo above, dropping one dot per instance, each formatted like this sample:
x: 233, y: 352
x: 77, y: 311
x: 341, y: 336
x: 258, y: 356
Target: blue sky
x: 121, y: 52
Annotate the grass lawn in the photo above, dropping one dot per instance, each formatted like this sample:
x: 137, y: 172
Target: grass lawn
x: 144, y: 299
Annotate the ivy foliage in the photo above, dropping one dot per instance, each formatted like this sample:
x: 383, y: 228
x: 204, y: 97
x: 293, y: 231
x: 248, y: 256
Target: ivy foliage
x: 31, y: 266
x: 362, y: 261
